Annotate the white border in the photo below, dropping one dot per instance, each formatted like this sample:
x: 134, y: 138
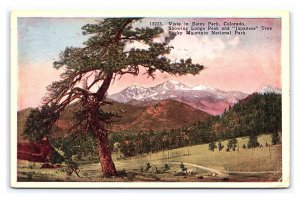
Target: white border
x: 285, y: 59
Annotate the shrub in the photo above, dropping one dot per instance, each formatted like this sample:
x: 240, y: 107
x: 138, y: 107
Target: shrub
x: 56, y: 158
x: 122, y: 173
x: 166, y: 167
x: 148, y: 166
x: 212, y: 146
x: 182, y: 167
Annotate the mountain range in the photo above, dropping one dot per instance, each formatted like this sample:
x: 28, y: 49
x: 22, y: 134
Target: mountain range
x: 207, y: 99
x: 165, y: 115
x: 169, y: 105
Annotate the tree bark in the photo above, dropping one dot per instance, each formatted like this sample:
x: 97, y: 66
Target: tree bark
x: 100, y: 133
x: 107, y: 165
x: 101, y: 136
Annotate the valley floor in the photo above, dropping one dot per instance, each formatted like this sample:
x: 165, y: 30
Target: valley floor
x: 245, y: 165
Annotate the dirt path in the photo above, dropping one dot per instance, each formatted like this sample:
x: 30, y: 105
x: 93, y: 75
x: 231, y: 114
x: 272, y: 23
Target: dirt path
x: 225, y: 173
x: 215, y: 171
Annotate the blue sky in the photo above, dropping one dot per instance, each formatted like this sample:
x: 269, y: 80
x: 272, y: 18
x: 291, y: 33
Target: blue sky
x: 41, y: 39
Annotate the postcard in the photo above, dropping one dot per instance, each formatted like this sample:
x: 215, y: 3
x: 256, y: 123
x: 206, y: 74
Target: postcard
x: 144, y: 99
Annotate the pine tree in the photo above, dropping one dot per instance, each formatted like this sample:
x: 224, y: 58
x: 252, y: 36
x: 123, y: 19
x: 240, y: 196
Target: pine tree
x: 100, y: 61
x: 220, y: 146
x: 253, y: 142
x: 275, y: 138
x: 232, y: 144
x: 212, y: 146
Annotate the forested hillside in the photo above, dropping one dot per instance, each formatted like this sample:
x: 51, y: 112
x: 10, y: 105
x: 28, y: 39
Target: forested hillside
x: 257, y: 114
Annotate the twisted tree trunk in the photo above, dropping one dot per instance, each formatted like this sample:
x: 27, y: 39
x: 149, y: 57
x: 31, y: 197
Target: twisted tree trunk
x: 107, y: 165
x: 99, y: 130
x: 101, y: 136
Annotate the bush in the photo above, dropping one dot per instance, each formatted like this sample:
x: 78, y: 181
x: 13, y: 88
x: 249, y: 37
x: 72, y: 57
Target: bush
x: 212, y: 146
x: 232, y: 144
x: 275, y: 138
x: 182, y: 167
x: 122, y: 173
x: 148, y: 166
x: 220, y: 146
x: 252, y: 142
x: 157, y: 170
x: 166, y: 167
x: 56, y: 158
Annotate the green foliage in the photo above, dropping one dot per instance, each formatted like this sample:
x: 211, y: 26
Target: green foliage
x: 212, y: 146
x: 103, y: 57
x: 134, y: 143
x: 253, y: 142
x: 128, y: 149
x: 232, y: 144
x: 182, y: 167
x: 249, y: 117
x: 56, y: 158
x: 220, y: 146
x: 105, y: 52
x: 275, y: 138
x: 166, y: 167
x: 257, y: 113
x: 81, y: 148
x: 38, y: 122
x: 148, y: 166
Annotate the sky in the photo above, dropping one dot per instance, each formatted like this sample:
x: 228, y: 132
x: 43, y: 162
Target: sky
x: 232, y: 62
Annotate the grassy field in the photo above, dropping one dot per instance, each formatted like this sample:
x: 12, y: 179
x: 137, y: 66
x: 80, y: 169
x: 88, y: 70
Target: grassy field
x: 260, y: 164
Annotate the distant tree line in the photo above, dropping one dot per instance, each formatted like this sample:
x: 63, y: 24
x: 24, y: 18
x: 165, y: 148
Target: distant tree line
x: 253, y: 116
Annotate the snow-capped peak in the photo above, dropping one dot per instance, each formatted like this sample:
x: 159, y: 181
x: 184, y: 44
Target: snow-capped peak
x: 269, y: 89
x: 202, y: 88
x: 204, y: 98
x: 173, y: 85
x: 135, y: 87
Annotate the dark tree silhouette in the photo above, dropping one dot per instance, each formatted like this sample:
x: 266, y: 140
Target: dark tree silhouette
x: 90, y: 70
x: 220, y: 146
x: 212, y: 146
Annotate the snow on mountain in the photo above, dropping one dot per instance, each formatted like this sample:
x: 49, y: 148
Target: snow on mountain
x: 210, y: 100
x: 131, y: 92
x: 172, y: 85
x: 269, y: 89
x: 201, y: 88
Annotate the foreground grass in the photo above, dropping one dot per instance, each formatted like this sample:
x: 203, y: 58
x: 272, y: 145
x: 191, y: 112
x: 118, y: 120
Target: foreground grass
x: 260, y: 164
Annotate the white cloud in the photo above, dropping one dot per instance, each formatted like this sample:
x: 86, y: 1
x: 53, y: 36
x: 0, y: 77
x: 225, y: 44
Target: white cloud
x: 196, y: 48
